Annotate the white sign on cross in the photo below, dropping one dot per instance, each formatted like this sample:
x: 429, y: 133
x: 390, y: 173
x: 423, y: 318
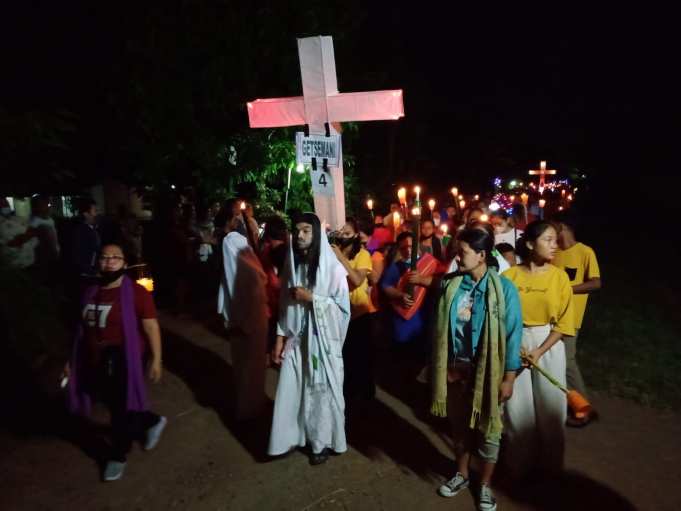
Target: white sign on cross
x: 320, y: 106
x: 542, y: 172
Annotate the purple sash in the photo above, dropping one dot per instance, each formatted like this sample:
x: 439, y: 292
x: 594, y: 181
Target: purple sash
x: 80, y: 401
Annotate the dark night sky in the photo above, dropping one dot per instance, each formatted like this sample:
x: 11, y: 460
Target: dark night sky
x: 487, y: 92
x: 580, y: 89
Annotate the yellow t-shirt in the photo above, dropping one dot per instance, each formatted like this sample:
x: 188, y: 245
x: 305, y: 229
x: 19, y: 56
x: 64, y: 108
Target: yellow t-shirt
x: 546, y: 298
x: 360, y: 301
x: 580, y: 265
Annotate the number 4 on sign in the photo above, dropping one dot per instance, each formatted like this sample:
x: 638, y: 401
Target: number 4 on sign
x: 322, y: 182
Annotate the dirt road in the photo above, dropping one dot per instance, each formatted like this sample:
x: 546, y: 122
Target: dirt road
x: 397, y: 457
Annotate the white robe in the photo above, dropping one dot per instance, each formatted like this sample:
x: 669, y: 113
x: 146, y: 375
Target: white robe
x: 309, y: 407
x: 242, y: 300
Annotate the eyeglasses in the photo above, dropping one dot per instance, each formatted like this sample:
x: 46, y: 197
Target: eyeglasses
x: 111, y: 258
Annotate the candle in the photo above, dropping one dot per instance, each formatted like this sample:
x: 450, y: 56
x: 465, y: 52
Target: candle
x: 462, y: 204
x: 570, y: 197
x: 416, y: 211
x: 477, y: 197
x: 512, y: 198
x: 484, y: 218
x: 562, y: 192
x: 417, y: 191
x: 542, y: 203
x: 242, y: 206
x: 524, y: 197
x: 402, y: 195
x: 455, y: 192
x: 560, y: 208
x: 396, y: 221
x: 146, y: 283
x: 431, y: 204
x: 370, y: 204
x: 444, y: 228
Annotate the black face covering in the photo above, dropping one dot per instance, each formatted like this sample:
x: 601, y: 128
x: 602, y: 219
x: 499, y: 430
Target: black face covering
x: 346, y: 242
x: 107, y: 277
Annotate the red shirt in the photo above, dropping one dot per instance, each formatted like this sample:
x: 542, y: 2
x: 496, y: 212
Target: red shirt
x: 102, y: 316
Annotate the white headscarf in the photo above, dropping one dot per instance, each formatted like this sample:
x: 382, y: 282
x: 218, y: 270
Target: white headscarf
x: 331, y: 286
x: 242, y: 299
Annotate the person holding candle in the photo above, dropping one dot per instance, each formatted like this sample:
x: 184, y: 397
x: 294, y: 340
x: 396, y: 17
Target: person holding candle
x: 405, y: 332
x: 358, y: 350
x: 243, y: 305
x: 118, y: 327
x: 430, y: 244
x: 504, y: 231
x: 536, y: 413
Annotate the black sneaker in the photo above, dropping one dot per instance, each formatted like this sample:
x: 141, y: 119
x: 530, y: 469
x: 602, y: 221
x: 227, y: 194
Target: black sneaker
x: 319, y: 458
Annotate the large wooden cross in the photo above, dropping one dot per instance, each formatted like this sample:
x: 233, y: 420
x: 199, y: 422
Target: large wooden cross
x: 542, y: 172
x: 320, y: 106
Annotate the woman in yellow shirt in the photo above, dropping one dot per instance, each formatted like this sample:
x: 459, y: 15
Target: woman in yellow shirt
x: 358, y: 352
x: 536, y: 413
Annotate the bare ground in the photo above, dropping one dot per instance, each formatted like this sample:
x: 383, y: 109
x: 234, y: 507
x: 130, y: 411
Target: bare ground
x: 398, y: 456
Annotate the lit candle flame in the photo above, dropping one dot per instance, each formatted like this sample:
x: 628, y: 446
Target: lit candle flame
x: 242, y: 206
x: 462, y: 204
x: 431, y: 204
x: 542, y: 203
x: 402, y: 195
x: 417, y: 191
x: 444, y: 228
x: 455, y: 192
x: 146, y: 283
x: 370, y: 204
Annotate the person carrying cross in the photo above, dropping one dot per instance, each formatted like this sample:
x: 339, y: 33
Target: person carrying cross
x: 309, y: 408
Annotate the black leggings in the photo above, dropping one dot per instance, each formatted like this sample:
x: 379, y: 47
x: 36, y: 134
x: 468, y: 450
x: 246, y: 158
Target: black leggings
x: 111, y: 385
x: 358, y: 359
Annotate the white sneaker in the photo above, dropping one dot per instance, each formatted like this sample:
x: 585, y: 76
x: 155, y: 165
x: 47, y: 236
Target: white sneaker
x: 486, y: 500
x: 453, y: 486
x: 113, y: 470
x: 154, y: 434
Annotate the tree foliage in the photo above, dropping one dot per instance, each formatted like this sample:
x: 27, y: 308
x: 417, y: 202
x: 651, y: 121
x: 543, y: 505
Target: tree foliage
x: 167, y: 102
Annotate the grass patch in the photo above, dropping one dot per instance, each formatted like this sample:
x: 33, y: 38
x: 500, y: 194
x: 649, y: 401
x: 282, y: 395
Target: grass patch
x: 630, y: 342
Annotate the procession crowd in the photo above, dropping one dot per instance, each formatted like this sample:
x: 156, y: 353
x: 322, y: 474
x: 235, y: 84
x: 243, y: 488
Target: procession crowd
x: 476, y: 299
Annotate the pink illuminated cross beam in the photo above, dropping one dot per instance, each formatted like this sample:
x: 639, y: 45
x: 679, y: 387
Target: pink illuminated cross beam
x: 353, y: 106
x: 320, y: 106
x: 321, y: 102
x: 542, y: 172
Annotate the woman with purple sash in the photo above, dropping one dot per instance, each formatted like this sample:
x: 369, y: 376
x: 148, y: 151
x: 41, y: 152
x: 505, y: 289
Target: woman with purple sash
x: 118, y: 323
